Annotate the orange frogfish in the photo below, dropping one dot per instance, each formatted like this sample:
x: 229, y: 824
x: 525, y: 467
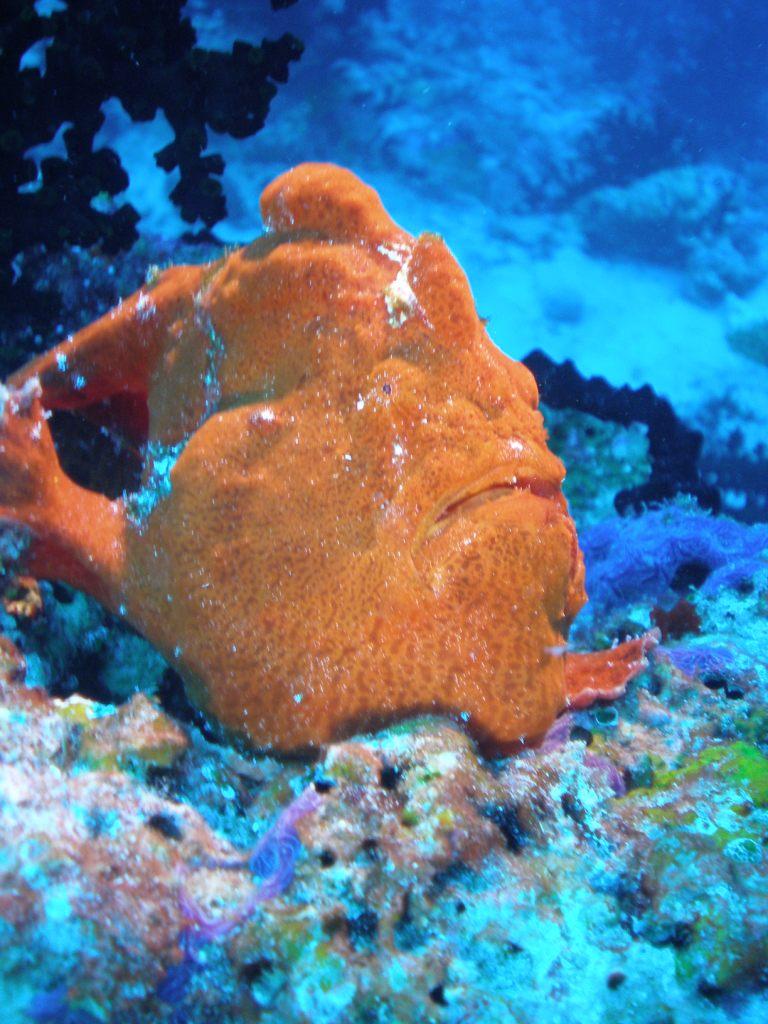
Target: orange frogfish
x: 348, y: 514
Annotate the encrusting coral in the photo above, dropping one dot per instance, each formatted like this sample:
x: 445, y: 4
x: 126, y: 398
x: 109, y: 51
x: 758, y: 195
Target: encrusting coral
x: 349, y: 513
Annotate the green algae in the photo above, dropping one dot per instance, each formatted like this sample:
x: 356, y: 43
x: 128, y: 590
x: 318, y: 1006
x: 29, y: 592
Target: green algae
x: 347, y: 771
x: 707, y: 859
x: 739, y: 764
x: 753, y: 726
x: 409, y: 818
x: 641, y: 774
x: 737, y: 784
x: 717, y: 955
x: 707, y: 880
x: 410, y: 726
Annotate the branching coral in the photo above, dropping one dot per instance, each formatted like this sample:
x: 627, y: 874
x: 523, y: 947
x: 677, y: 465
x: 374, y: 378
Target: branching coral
x: 673, y: 447
x: 144, y: 54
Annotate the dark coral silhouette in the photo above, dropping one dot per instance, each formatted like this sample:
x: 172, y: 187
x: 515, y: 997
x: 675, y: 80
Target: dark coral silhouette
x: 673, y: 447
x: 143, y: 53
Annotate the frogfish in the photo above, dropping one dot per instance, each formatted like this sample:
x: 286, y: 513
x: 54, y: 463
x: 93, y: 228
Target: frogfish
x: 348, y: 513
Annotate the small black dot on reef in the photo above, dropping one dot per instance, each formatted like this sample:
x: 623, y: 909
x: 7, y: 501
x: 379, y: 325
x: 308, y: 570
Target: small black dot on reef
x: 681, y: 934
x: 252, y: 971
x: 167, y: 780
x: 653, y: 685
x: 166, y: 825
x: 506, y: 819
x: 327, y: 858
x: 572, y: 807
x: 734, y: 692
x: 615, y: 979
x: 370, y: 848
x: 363, y: 928
x: 62, y: 593
x: 689, y: 574
x: 460, y: 906
x: 578, y: 732
x: 625, y: 629
x: 390, y: 776
x: 323, y: 785
x: 714, y: 681
x: 387, y: 389
x: 437, y: 995
x: 708, y: 989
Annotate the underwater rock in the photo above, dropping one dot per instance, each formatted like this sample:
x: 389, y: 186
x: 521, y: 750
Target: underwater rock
x: 21, y: 597
x: 604, y: 459
x: 72, y: 644
x: 89, y: 884
x: 704, y: 877
x: 408, y: 872
x: 12, y: 662
x: 687, y: 216
x: 137, y: 733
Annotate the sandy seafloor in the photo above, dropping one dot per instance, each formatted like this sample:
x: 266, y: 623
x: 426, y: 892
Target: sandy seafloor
x: 617, y: 874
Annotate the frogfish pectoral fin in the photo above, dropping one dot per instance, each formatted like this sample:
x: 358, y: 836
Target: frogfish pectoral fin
x: 603, y: 675
x: 75, y: 535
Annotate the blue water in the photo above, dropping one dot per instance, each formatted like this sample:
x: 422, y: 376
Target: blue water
x: 495, y: 124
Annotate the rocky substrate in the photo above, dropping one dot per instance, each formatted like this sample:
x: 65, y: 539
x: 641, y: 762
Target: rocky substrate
x: 616, y: 873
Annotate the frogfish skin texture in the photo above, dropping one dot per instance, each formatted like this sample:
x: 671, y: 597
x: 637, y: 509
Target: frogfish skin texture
x: 349, y: 512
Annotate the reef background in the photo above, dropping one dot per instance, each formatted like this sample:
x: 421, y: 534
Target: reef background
x: 601, y: 173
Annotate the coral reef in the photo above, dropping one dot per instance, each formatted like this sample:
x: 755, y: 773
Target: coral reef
x: 399, y: 878
x: 692, y: 215
x: 603, y: 459
x: 72, y: 644
x: 616, y: 872
x: 735, y: 456
x: 92, y: 907
x: 152, y: 867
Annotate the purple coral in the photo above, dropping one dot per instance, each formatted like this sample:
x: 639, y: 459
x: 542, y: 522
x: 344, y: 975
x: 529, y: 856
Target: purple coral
x: 605, y: 768
x: 638, y: 559
x: 557, y: 735
x: 702, y: 661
